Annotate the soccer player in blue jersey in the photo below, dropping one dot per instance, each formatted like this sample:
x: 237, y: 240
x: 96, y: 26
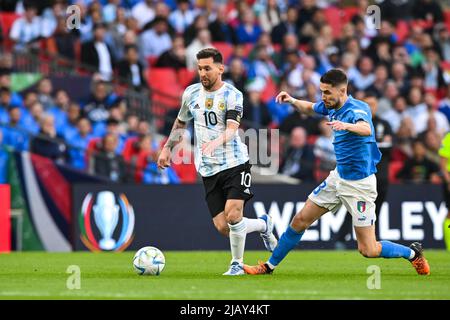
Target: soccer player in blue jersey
x: 352, y: 183
x: 221, y: 157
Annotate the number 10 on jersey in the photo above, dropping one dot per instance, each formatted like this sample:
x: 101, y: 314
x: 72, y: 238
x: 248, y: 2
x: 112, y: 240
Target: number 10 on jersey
x: 210, y: 118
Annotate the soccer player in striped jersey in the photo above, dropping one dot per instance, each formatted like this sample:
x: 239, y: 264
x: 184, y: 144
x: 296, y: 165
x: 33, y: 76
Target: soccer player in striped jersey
x: 221, y: 157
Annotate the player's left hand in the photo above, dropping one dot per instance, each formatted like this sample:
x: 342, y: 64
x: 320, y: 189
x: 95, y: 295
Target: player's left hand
x: 337, y: 125
x: 209, y: 147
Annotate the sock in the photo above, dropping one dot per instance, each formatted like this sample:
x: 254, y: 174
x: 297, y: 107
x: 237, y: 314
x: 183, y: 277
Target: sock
x: 395, y: 250
x: 238, y: 232
x: 447, y: 233
x: 255, y: 225
x: 287, y: 242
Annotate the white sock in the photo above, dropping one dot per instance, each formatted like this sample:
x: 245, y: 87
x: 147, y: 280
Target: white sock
x: 238, y: 232
x: 255, y: 225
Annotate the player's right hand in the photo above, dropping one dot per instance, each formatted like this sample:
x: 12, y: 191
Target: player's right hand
x: 283, y: 97
x: 164, y: 158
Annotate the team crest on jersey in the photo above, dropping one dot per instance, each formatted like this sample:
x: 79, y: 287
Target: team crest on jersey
x: 361, y: 206
x: 222, y: 105
x: 209, y: 103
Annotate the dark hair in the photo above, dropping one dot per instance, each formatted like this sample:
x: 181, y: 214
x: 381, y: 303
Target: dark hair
x: 334, y: 77
x: 210, y: 53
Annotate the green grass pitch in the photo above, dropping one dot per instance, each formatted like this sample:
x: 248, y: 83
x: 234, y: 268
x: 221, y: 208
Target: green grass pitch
x: 197, y: 275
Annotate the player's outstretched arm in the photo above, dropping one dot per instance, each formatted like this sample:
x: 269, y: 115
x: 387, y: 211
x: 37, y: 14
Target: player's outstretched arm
x: 361, y: 128
x: 303, y: 106
x: 175, y: 137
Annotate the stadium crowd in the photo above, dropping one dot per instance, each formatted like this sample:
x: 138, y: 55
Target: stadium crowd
x: 401, y: 68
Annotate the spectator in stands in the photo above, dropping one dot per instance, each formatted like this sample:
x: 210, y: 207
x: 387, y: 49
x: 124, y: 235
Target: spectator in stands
x: 98, y: 105
x: 107, y: 163
x: 59, y: 110
x: 183, y: 16
x: 110, y: 11
x: 153, y: 42
x: 444, y: 104
x: 50, y: 17
x: 119, y: 36
x: 381, y: 77
x: 47, y: 143
x: 26, y: 30
x: 236, y: 74
x: 202, y: 41
x: 248, y: 31
x: 131, y: 70
x: 365, y: 78
x: 143, y: 12
x: 299, y: 157
x: 113, y: 126
x: 132, y: 121
x: 62, y: 41
x: 419, y: 169
x: 200, y: 23
x: 78, y: 144
x: 270, y: 16
x: 288, y: 26
x: 13, y: 134
x: 73, y: 114
x: 324, y: 149
x: 220, y: 29
x: 422, y: 122
x: 255, y: 110
x: 263, y: 66
x: 3, y: 160
x: 175, y: 57
x: 45, y: 90
x: 5, y: 102
x: 32, y: 122
x: 97, y: 54
x: 442, y: 40
x: 416, y: 108
x: 428, y: 10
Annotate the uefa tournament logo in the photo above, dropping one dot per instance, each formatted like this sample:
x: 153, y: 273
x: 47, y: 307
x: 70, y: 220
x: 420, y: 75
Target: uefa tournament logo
x: 106, y: 212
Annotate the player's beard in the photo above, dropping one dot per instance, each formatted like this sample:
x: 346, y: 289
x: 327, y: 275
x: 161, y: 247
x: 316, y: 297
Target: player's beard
x: 333, y: 106
x: 209, y: 84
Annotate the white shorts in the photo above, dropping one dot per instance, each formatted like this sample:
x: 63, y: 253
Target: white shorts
x: 358, y: 197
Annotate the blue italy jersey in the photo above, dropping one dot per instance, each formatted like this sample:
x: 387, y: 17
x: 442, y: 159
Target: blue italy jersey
x: 356, y: 156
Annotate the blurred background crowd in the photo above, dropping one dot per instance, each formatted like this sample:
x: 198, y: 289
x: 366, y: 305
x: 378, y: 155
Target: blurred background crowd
x: 402, y: 69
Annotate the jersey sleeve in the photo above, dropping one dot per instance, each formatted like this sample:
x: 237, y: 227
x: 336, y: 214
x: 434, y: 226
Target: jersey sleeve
x: 359, y: 114
x: 235, y: 109
x: 444, y: 151
x: 319, y: 107
x: 185, y: 114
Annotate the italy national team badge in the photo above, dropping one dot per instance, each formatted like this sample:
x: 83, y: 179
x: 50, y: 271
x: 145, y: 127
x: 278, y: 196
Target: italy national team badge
x: 209, y: 103
x: 361, y: 206
x: 222, y: 105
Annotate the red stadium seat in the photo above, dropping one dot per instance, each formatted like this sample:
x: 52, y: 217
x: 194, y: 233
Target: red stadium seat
x: 6, y: 20
x: 447, y: 18
x: 93, y: 147
x: 333, y: 17
x: 402, y: 30
x: 186, y: 76
x: 269, y: 91
x: 151, y: 60
x: 394, y: 168
x: 225, y: 48
x: 348, y: 13
x: 166, y: 89
x: 129, y: 149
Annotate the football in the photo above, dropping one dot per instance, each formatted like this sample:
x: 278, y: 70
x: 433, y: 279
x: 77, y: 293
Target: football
x: 149, y: 261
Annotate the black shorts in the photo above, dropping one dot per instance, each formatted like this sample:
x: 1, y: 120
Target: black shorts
x: 233, y: 183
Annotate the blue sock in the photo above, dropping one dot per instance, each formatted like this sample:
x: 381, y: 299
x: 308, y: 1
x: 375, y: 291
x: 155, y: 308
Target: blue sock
x: 394, y: 250
x: 288, y: 241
